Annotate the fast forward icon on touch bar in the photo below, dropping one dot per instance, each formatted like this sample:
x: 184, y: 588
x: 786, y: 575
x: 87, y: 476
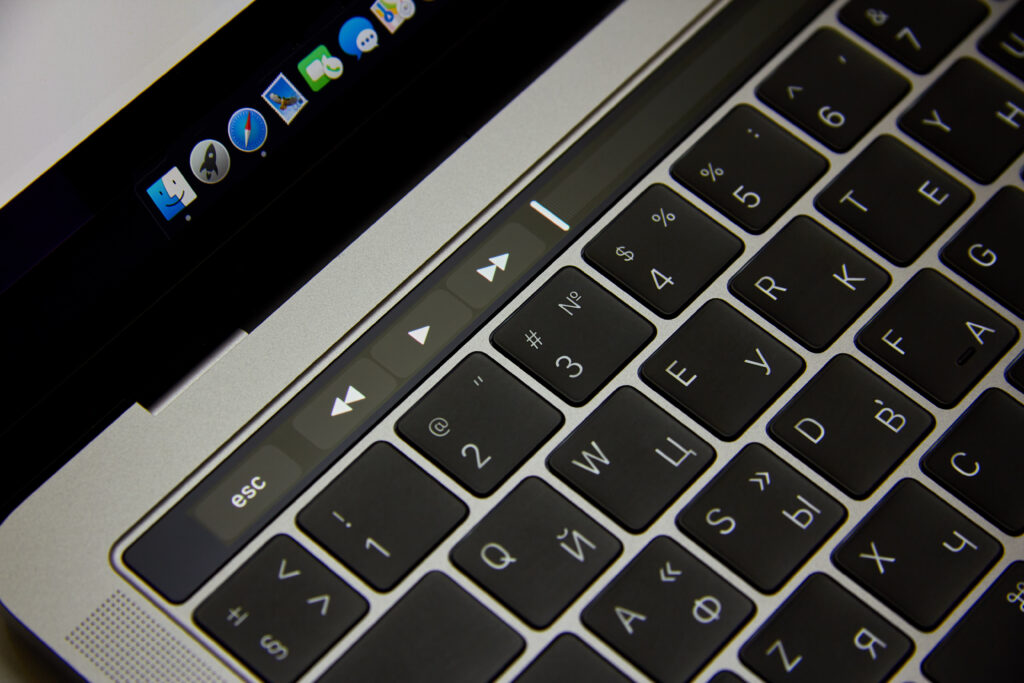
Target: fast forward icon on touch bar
x: 352, y: 395
x: 497, y: 263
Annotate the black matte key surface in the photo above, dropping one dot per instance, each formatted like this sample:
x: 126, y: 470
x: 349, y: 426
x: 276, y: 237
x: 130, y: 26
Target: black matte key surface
x: 894, y: 200
x: 937, y: 337
x: 631, y: 459
x: 833, y: 89
x: 971, y: 117
x: 479, y: 424
x: 726, y: 677
x: 667, y: 613
x: 572, y: 335
x: 979, y: 459
x: 809, y: 283
x: 535, y: 552
x: 989, y: 250
x: 761, y: 517
x: 749, y: 168
x: 569, y: 659
x: 1015, y: 373
x: 381, y: 516
x: 985, y: 645
x: 436, y: 632
x: 663, y: 250
x: 1005, y: 43
x: 917, y: 554
x: 823, y: 633
x: 722, y: 369
x: 918, y: 33
x: 280, y: 611
x: 851, y: 425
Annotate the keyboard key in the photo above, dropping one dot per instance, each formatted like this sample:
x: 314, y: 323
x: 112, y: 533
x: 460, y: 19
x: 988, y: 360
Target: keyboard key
x: 421, y: 333
x: 894, y: 200
x: 631, y: 459
x: 851, y: 426
x: 726, y: 677
x: 535, y: 552
x: 569, y: 659
x: 809, y: 283
x: 280, y: 611
x: 917, y: 554
x: 937, y: 337
x: 436, y: 632
x: 989, y: 250
x: 979, y: 460
x: 479, y: 424
x: 985, y: 643
x: 721, y: 369
x: 572, y: 335
x: 833, y: 89
x: 823, y: 633
x: 918, y: 33
x: 663, y: 599
x: 761, y: 517
x: 972, y: 118
x: 663, y: 250
x: 749, y: 168
x: 381, y: 516
x: 1005, y: 43
x: 1015, y: 373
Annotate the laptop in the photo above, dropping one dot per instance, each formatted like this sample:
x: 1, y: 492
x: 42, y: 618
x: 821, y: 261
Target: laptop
x: 636, y: 340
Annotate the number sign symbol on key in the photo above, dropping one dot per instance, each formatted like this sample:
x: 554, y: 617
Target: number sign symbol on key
x: 711, y: 172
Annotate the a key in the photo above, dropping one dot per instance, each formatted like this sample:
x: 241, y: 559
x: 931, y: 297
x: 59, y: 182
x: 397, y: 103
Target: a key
x: 851, y: 425
x: 749, y: 168
x: 631, y: 459
x: 479, y: 424
x: 1005, y: 43
x: 979, y: 459
x: 989, y: 250
x: 985, y: 644
x: 936, y: 337
x: 572, y: 335
x: 726, y: 677
x: 436, y: 632
x: 833, y: 89
x: 721, y: 369
x: 535, y: 552
x: 917, y: 554
x: 809, y: 283
x: 761, y: 517
x: 1015, y: 373
x: 823, y: 633
x: 919, y: 33
x: 663, y: 250
x: 664, y: 598
x: 894, y: 200
x: 569, y: 659
x: 280, y: 611
x: 381, y: 516
x: 971, y: 117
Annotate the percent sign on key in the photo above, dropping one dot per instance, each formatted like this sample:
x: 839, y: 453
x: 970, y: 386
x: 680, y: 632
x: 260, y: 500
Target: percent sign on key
x: 711, y: 173
x: 662, y: 217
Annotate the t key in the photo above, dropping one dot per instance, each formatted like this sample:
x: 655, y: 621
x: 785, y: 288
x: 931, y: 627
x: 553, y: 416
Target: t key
x: 937, y: 337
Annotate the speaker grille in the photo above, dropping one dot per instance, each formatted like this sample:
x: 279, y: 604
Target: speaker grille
x: 127, y: 644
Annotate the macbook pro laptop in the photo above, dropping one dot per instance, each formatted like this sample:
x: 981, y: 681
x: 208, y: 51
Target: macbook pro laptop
x: 436, y: 340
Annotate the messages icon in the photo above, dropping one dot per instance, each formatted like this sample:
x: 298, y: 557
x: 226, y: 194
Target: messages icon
x: 357, y: 37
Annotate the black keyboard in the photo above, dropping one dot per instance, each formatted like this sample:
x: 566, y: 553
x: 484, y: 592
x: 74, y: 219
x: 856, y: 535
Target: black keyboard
x: 761, y: 420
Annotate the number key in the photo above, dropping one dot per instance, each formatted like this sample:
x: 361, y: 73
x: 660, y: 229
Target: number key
x: 833, y: 89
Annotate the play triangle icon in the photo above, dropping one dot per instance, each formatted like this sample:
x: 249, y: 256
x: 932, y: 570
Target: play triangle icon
x: 500, y: 261
x: 353, y: 395
x: 487, y: 272
x: 340, y: 408
x: 420, y: 334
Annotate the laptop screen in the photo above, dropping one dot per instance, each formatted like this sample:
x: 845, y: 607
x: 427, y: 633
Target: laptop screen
x: 202, y: 205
